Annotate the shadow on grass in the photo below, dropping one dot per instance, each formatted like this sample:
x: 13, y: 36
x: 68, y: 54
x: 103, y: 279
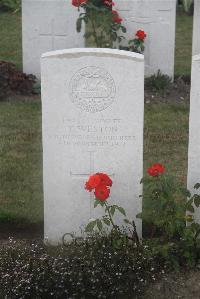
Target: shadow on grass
x: 19, y: 228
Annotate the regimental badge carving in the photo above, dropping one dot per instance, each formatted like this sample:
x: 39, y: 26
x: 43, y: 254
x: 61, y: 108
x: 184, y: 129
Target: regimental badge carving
x: 92, y: 89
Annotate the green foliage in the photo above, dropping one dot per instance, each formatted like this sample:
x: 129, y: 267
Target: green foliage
x: 187, y: 5
x: 158, y: 82
x: 166, y: 209
x: 12, y: 5
x: 107, y: 219
x: 170, y: 206
x: 100, y: 24
x: 134, y: 45
x: 119, y: 238
x: 13, y: 80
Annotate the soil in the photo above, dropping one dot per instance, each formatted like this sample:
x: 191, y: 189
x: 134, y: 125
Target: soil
x: 20, y: 232
x: 181, y: 285
x: 178, y: 93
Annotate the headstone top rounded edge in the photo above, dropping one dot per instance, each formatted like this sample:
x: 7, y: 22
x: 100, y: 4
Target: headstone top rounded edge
x: 77, y: 52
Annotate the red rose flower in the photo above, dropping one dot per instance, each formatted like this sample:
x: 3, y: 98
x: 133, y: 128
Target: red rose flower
x: 77, y: 3
x: 88, y: 187
x: 105, y: 180
x: 116, y: 18
x: 141, y: 34
x: 102, y: 192
x: 108, y: 3
x: 93, y: 182
x: 156, y: 169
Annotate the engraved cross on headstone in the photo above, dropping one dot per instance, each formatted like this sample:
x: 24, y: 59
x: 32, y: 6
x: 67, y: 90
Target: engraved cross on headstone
x: 141, y: 20
x: 53, y: 35
x: 85, y: 177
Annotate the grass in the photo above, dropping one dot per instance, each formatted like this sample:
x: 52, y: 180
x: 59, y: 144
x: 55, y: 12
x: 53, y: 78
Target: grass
x: 21, y: 162
x: 166, y: 137
x: 11, y: 38
x: 183, y: 50
x: 165, y: 141
x: 10, y: 41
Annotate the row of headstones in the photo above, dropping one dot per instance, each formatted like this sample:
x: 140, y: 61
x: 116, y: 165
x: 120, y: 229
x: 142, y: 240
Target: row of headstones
x: 93, y: 122
x: 50, y: 25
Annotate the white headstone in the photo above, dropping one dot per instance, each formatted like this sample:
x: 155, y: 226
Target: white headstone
x: 92, y: 105
x: 196, y: 28
x: 47, y: 25
x: 194, y: 128
x: 158, y: 19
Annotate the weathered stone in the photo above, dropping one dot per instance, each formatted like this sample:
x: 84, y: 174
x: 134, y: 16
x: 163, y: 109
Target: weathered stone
x: 92, y: 105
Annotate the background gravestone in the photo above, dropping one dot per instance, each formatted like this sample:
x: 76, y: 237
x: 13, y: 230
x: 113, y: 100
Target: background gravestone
x: 92, y: 122
x: 194, y: 131
x: 196, y: 28
x: 47, y: 25
x: 158, y: 19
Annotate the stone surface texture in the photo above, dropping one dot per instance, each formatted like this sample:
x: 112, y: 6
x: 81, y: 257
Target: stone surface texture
x: 47, y: 25
x: 194, y: 131
x: 196, y: 28
x: 92, y: 107
x: 158, y: 19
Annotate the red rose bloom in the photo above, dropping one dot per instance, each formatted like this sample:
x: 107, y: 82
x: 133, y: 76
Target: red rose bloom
x: 141, y: 34
x: 102, y: 192
x: 116, y: 17
x: 77, y: 3
x: 156, y: 169
x: 105, y: 180
x: 88, y: 187
x: 100, y: 182
x: 108, y: 3
x: 93, y: 182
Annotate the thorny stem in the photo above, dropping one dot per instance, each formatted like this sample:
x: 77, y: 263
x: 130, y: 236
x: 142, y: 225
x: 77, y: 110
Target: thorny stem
x: 135, y: 233
x: 94, y: 32
x: 109, y: 214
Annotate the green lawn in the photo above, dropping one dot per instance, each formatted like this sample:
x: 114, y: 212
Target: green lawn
x: 166, y: 137
x: 20, y: 161
x: 183, y: 50
x: 10, y: 41
x: 10, y: 38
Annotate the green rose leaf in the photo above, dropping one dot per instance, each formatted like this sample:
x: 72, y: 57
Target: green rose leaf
x: 106, y: 221
x: 139, y: 215
x: 127, y: 221
x: 189, y: 218
x: 90, y: 226
x: 197, y: 186
x: 123, y: 29
x: 99, y: 224
x: 112, y: 210
x: 78, y: 24
x: 197, y: 200
x: 96, y: 203
x: 121, y: 210
x: 190, y: 208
